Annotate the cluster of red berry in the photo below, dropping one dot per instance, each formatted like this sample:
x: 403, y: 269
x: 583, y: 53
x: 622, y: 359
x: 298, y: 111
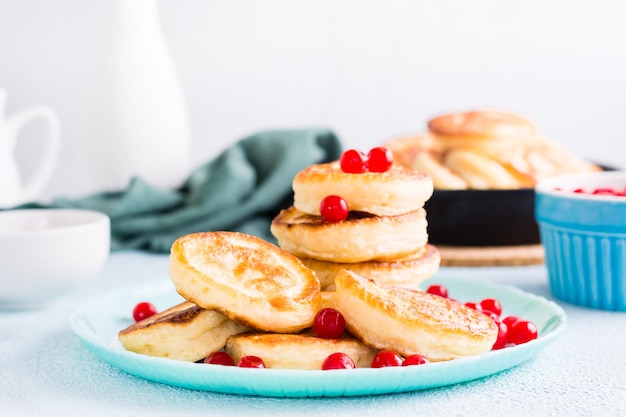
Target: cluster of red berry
x: 512, y: 330
x: 599, y: 191
x: 334, y: 208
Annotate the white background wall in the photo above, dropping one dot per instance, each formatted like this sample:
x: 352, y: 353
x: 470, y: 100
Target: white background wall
x: 370, y: 69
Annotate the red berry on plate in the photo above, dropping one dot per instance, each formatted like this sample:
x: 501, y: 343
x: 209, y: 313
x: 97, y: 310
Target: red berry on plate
x: 415, y: 359
x: 353, y: 162
x: 338, y: 360
x: 386, y: 358
x: 219, y: 358
x: 474, y: 305
x: 251, y: 362
x: 143, y: 310
x: 492, y: 315
x: 503, y: 333
x: 522, y: 331
x: 492, y: 305
x: 379, y: 159
x: 438, y: 290
x: 333, y: 209
x: 509, y: 320
x: 329, y: 323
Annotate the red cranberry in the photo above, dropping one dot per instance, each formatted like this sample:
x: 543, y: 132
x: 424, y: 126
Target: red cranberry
x: 329, y: 323
x: 338, y: 360
x: 143, y: 310
x: 353, y: 162
x: 334, y: 209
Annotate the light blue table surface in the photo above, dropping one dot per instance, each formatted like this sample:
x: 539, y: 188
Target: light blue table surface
x: 45, y: 371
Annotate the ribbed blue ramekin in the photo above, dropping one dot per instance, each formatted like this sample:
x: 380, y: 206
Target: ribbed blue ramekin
x: 584, y: 237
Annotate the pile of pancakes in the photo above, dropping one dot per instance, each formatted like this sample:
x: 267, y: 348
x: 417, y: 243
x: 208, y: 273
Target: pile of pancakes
x: 485, y: 149
x: 250, y: 297
x: 384, y: 237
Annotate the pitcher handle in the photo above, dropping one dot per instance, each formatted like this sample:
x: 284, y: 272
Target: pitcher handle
x: 49, y: 151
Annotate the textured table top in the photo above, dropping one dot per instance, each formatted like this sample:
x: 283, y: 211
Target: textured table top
x: 45, y: 371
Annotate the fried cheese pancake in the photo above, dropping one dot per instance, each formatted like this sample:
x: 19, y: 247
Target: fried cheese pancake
x: 397, y: 191
x: 297, y: 351
x: 184, y: 332
x: 485, y: 149
x: 251, y: 281
x: 410, y: 321
x: 359, y: 238
x: 408, y: 272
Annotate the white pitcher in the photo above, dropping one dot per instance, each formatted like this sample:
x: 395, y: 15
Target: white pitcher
x: 14, y: 189
x: 139, y: 124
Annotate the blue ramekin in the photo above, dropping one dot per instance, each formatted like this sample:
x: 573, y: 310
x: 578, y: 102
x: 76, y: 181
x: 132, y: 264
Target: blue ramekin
x: 584, y: 237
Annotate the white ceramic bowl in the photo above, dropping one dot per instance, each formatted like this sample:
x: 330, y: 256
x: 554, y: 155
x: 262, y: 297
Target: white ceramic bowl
x: 46, y: 252
x: 584, y: 236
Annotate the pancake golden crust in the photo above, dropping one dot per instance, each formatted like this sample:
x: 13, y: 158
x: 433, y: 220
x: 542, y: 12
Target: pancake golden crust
x: 248, y: 279
x: 408, y: 272
x: 297, y: 351
x: 184, y: 332
x: 356, y: 239
x: 482, y: 124
x: 410, y: 321
x: 396, y: 191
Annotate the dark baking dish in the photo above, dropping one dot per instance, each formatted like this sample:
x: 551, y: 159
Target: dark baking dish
x: 483, y: 217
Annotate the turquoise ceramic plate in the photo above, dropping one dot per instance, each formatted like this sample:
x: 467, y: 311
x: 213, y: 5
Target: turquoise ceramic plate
x: 97, y: 323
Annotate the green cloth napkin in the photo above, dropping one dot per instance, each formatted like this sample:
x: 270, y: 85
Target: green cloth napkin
x: 240, y: 190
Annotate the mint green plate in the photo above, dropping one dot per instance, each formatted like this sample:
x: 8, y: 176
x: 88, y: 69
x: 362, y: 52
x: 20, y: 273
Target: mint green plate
x: 98, y: 321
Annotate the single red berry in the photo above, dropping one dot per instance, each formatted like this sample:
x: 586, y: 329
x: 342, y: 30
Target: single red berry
x: 251, y: 362
x: 143, y: 310
x: 415, y: 359
x: 329, y: 323
x: 492, y: 305
x: 503, y: 333
x: 338, y: 360
x: 353, y: 161
x: 522, y: 331
x: 509, y: 320
x: 386, y: 358
x: 333, y: 209
x: 474, y: 305
x: 436, y: 289
x: 219, y: 358
x: 379, y: 159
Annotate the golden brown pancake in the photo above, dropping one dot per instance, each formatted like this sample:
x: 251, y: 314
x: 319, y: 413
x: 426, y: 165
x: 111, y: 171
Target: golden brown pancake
x: 480, y: 125
x: 396, y: 191
x: 359, y: 238
x: 297, y: 351
x: 248, y: 279
x: 409, y: 271
x: 410, y: 321
x: 184, y: 332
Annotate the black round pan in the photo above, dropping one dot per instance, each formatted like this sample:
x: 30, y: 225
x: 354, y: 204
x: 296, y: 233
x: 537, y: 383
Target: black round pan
x: 483, y: 217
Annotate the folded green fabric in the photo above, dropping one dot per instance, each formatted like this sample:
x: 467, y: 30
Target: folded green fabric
x: 240, y: 190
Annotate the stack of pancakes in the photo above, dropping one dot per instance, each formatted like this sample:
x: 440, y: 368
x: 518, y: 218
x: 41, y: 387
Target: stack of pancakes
x: 485, y: 149
x: 249, y: 297
x: 384, y: 237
